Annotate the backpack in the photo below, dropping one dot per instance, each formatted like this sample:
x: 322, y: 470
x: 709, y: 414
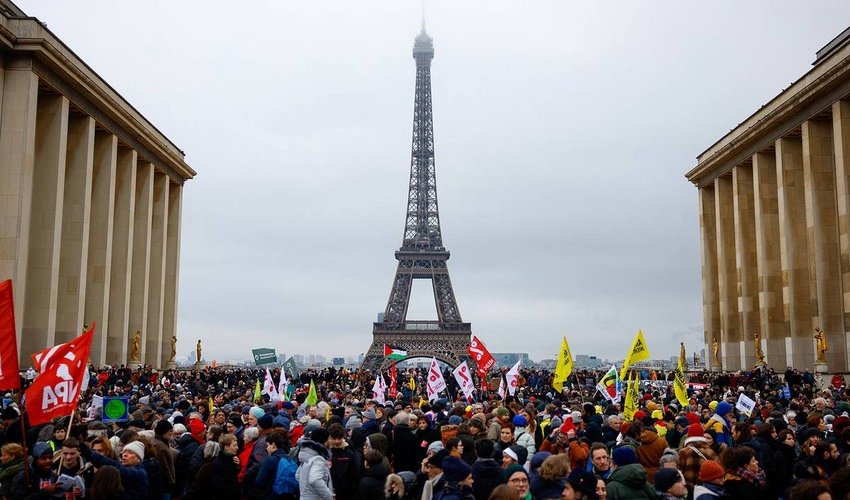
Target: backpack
x: 285, y: 482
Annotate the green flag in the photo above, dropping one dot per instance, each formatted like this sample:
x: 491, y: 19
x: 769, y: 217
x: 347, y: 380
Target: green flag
x: 257, y: 392
x: 312, y: 398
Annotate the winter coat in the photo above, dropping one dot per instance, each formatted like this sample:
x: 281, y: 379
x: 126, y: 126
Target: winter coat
x: 8, y: 471
x: 629, y: 483
x: 371, y: 486
x: 223, y: 477
x: 690, y: 459
x: 345, y: 472
x: 265, y: 478
x: 457, y: 491
x: 314, y: 475
x: 486, y: 475
x: 134, y: 479
x: 709, y: 491
x: 403, y: 449
x: 543, y: 488
x: 738, y: 487
x: 166, y: 456
x: 649, y: 453
x: 186, y: 447
x: 243, y: 459
x: 523, y: 438
x: 423, y: 439
x: 21, y: 489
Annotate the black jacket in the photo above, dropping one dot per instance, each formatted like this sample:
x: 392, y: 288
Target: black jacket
x: 403, y: 448
x: 372, y: 485
x: 345, y: 472
x: 486, y: 475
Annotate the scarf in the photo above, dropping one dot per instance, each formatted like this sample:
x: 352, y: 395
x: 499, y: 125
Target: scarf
x: 756, y: 478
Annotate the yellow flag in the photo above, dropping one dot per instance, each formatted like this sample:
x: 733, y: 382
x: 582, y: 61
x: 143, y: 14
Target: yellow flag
x: 564, y: 367
x: 632, y: 398
x: 257, y: 392
x: 211, y: 405
x: 679, y: 385
x: 312, y: 397
x: 412, y: 384
x: 638, y: 352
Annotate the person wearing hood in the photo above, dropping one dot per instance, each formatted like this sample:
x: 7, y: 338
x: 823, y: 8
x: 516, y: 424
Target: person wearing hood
x: 628, y: 480
x: 651, y: 449
x: 720, y: 423
x: 277, y: 447
x: 694, y: 452
x: 345, y: 464
x: 41, y: 480
x: 375, y: 474
x: 314, y: 474
x: 486, y: 472
x: 459, y: 480
x: 521, y: 435
x: 711, y: 479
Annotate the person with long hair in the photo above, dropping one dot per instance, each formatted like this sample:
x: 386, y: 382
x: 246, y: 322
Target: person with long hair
x: 106, y: 484
x: 744, y: 476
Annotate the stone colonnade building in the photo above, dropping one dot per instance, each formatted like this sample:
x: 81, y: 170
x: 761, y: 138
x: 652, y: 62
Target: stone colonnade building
x: 90, y: 203
x: 774, y: 197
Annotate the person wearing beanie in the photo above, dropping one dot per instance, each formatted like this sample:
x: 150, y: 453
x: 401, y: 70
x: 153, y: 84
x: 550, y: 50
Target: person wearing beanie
x: 711, y: 479
x: 721, y: 423
x: 501, y: 416
x: 521, y: 435
x: 433, y: 466
x: 40, y: 481
x: 134, y: 478
x: 580, y: 484
x: 165, y: 454
x: 693, y: 453
x: 265, y: 422
x: 458, y: 476
x: 314, y: 473
x: 670, y: 484
x: 624, y: 455
x: 517, y: 478
x: 254, y: 414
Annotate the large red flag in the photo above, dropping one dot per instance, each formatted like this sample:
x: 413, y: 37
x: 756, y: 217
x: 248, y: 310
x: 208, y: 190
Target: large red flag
x: 482, y: 357
x: 56, y: 391
x: 10, y: 377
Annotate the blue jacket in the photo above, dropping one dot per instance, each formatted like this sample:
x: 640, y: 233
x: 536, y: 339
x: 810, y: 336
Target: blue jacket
x: 268, y: 473
x: 134, y: 479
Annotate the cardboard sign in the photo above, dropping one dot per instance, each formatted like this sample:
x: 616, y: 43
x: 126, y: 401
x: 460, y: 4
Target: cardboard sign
x: 745, y: 405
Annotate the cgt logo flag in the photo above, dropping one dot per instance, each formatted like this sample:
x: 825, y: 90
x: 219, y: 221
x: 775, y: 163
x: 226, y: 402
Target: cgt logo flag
x: 55, y: 392
x: 512, y: 377
x: 9, y: 376
x: 464, y: 379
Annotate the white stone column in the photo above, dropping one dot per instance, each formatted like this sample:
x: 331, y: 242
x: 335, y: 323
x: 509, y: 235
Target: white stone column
x: 45, y: 235
x: 141, y: 252
x: 172, y: 269
x: 774, y: 329
x: 841, y: 134
x: 117, y: 340
x: 728, y: 275
x: 17, y: 153
x: 73, y: 259
x: 822, y: 229
x: 156, y: 287
x: 100, y: 241
x: 710, y: 292
x: 794, y: 251
x: 746, y: 260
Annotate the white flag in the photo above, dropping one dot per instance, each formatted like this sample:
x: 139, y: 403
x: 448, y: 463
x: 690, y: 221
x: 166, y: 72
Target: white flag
x: 513, y: 378
x: 281, y: 386
x: 379, y: 389
x: 501, y: 391
x: 464, y: 379
x: 436, y: 382
x: 269, y: 387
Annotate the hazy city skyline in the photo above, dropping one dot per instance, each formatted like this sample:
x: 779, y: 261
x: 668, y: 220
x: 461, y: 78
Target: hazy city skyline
x: 563, y: 131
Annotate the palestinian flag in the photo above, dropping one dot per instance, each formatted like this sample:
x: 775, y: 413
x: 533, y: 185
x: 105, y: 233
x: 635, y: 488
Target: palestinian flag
x: 394, y: 353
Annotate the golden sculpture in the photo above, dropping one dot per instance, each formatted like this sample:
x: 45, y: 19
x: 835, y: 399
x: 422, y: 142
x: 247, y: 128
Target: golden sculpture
x: 173, y: 348
x: 822, y: 346
x: 716, y: 351
x: 759, y: 353
x: 137, y: 346
x: 696, y: 359
x: 198, y: 350
x: 683, y: 356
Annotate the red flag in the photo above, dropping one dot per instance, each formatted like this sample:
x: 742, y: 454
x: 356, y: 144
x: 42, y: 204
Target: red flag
x: 56, y: 391
x: 483, y: 359
x: 393, y: 387
x: 10, y: 377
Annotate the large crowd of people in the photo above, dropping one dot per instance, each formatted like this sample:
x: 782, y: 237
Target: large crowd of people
x: 203, y: 434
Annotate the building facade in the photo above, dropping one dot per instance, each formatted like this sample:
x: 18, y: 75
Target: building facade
x: 90, y: 203
x: 774, y: 198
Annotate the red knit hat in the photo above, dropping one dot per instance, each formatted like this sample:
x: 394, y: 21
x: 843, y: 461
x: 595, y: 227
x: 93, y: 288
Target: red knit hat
x: 692, y: 417
x: 567, y: 426
x: 639, y: 415
x: 695, y: 430
x: 710, y: 471
x: 197, y: 428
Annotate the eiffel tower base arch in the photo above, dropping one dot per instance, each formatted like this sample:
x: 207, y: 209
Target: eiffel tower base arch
x: 448, y: 347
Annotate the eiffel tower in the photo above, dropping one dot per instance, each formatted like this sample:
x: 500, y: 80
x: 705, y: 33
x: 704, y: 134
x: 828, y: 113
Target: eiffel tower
x: 422, y: 255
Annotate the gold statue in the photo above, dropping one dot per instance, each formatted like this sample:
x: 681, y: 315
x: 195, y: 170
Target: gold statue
x: 683, y: 356
x: 759, y: 353
x: 822, y: 347
x: 716, y: 351
x: 198, y: 350
x: 137, y: 346
x: 173, y: 348
x: 696, y: 359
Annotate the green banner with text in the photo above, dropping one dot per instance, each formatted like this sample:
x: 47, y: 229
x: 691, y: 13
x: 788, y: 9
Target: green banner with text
x: 264, y: 356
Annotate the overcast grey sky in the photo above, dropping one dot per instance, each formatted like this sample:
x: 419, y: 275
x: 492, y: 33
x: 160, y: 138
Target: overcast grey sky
x: 563, y: 130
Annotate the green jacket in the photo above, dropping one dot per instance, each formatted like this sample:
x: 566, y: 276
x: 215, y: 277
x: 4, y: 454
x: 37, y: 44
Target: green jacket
x: 629, y: 483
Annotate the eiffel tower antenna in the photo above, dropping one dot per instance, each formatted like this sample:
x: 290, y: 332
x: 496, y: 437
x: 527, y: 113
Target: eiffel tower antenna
x: 423, y: 16
x: 421, y: 255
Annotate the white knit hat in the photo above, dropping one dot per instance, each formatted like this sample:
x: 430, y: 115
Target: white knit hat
x: 136, y: 447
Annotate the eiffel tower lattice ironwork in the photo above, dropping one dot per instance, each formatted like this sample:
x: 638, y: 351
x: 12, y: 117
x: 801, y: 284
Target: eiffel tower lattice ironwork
x: 422, y: 255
